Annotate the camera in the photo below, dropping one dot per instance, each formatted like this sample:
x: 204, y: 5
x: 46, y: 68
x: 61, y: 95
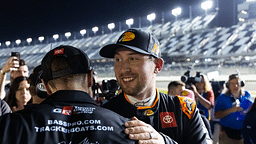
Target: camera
x: 17, y: 54
x: 108, y: 88
x: 187, y: 79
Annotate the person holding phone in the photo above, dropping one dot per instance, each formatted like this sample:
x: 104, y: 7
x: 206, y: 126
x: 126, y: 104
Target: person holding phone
x: 17, y: 67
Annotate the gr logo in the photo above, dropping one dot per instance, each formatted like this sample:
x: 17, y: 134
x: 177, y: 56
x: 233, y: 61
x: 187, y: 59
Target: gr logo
x: 66, y: 110
x: 57, y: 110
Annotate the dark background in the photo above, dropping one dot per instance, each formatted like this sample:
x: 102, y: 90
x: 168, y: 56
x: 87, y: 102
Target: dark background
x: 20, y: 19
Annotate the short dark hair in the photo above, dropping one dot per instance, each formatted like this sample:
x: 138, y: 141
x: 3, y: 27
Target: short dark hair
x: 175, y: 84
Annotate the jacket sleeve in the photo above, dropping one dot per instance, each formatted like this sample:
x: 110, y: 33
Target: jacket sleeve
x: 167, y: 139
x: 247, y: 130
x: 12, y: 130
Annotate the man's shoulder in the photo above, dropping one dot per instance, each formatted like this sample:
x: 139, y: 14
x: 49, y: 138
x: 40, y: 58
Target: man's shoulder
x: 114, y: 101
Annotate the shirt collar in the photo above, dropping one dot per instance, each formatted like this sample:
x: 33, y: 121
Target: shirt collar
x: 70, y: 96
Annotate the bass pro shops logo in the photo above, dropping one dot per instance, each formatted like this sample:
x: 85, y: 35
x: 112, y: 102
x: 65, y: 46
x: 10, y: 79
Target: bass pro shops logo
x: 168, y: 119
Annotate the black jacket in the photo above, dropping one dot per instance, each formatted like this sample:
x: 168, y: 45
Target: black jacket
x: 66, y: 117
x: 249, y: 127
x: 176, y: 118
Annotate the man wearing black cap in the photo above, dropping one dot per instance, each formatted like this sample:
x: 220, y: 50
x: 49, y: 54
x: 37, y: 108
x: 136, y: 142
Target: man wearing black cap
x: 158, y: 118
x: 69, y: 115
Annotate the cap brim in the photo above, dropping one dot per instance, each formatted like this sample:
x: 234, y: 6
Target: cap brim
x: 109, y: 51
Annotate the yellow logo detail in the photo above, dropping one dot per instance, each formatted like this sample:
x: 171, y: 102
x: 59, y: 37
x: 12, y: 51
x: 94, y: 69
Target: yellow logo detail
x: 184, y: 93
x: 155, y: 49
x: 128, y: 36
x: 148, y: 112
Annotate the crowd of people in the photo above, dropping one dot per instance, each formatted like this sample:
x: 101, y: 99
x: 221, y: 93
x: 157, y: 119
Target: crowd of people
x: 56, y: 103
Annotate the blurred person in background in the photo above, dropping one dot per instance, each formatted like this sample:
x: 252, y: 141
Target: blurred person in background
x: 17, y: 67
x: 178, y: 88
x: 204, y: 95
x: 19, y: 95
x: 175, y: 88
x: 249, y: 126
x: 37, y: 90
x: 158, y: 118
x: 230, y: 108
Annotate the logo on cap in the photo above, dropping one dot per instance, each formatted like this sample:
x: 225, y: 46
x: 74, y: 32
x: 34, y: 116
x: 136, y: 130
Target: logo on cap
x: 184, y: 93
x: 58, y: 51
x: 128, y: 36
x: 156, y: 49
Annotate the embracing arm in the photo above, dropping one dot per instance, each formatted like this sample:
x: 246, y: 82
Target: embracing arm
x: 145, y: 133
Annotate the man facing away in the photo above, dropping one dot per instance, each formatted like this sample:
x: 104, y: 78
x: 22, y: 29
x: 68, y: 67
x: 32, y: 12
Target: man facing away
x: 158, y: 118
x: 69, y: 115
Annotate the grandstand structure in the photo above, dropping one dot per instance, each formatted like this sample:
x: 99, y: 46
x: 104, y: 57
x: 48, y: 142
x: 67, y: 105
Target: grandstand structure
x: 193, y: 43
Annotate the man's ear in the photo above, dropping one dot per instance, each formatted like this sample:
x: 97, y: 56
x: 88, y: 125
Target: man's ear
x: 49, y: 92
x: 159, y: 65
x: 90, y: 78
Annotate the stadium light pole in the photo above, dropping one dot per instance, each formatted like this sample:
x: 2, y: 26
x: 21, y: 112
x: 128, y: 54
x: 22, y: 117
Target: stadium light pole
x: 129, y: 22
x: 176, y: 12
x: 8, y: 43
x: 29, y: 40
x: 83, y: 32
x: 41, y: 38
x: 55, y: 37
x: 67, y: 34
x: 18, y: 41
x: 206, y: 5
x: 111, y: 26
x: 95, y: 29
x: 151, y: 17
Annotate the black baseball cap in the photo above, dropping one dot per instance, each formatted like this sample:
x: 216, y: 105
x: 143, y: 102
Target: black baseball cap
x: 135, y: 39
x: 78, y: 62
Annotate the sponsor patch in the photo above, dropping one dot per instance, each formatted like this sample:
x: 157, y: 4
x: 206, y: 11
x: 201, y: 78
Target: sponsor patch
x: 58, y: 51
x: 148, y: 112
x: 188, y: 106
x: 78, y: 110
x: 168, y: 119
x: 128, y: 36
x: 67, y: 110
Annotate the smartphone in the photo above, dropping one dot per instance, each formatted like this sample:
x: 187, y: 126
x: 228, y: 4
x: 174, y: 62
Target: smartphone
x: 17, y: 54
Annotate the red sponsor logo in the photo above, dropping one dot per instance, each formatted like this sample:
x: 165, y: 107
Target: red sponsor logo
x: 67, y: 110
x: 168, y: 119
x: 58, y: 51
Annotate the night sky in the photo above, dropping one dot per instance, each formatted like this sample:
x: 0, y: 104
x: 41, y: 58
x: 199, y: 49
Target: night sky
x: 20, y: 19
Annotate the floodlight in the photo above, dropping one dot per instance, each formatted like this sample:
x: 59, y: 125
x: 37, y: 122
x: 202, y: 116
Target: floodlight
x: 55, y: 37
x: 83, y: 32
x: 206, y: 5
x: 7, y: 43
x: 151, y: 17
x: 41, y: 38
x: 18, y: 41
x: 111, y: 26
x: 29, y: 40
x: 67, y: 34
x: 176, y: 11
x: 129, y: 22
